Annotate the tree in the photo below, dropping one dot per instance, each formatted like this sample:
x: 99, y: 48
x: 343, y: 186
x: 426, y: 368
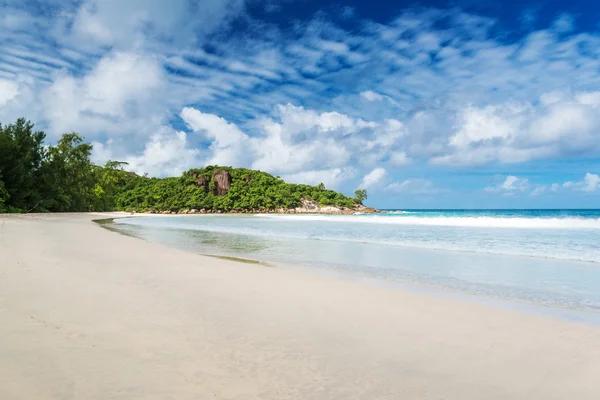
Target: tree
x: 21, y: 156
x: 54, y: 178
x: 109, y: 181
x: 3, y: 196
x: 71, y: 174
x: 360, y: 195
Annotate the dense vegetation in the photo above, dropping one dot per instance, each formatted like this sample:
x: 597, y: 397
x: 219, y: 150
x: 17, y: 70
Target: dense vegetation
x: 61, y: 178
x: 250, y: 190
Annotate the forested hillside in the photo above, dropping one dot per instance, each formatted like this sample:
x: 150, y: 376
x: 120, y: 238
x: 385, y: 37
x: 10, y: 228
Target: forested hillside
x: 61, y: 178
x: 239, y: 189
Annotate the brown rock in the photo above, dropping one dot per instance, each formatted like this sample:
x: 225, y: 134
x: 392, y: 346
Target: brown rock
x: 202, y: 182
x: 222, y: 180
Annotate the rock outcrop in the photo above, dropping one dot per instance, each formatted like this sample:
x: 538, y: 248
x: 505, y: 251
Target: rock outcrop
x: 308, y: 206
x: 312, y: 207
x: 203, y: 183
x: 222, y: 181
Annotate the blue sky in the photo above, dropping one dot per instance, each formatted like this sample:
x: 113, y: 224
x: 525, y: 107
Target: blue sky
x: 431, y: 104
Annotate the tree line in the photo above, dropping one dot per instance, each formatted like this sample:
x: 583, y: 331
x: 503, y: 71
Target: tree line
x: 35, y: 177
x: 57, y: 178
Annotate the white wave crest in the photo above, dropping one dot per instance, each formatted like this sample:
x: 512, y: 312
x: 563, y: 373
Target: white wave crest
x: 472, y: 222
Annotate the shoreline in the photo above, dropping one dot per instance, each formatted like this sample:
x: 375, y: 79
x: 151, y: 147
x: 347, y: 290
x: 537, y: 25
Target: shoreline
x: 581, y: 315
x: 103, y: 315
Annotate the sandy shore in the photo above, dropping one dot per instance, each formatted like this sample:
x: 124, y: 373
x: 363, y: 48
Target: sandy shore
x: 90, y: 314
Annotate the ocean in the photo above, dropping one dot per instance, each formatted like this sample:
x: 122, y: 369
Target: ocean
x: 544, y: 257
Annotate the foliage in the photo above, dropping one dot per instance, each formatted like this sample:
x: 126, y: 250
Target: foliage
x: 360, y: 195
x: 70, y: 173
x: 250, y: 190
x: 3, y: 196
x: 62, y: 178
x: 57, y: 178
x: 110, y: 180
x: 21, y: 157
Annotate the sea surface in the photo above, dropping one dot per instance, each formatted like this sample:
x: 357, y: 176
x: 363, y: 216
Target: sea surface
x: 544, y: 257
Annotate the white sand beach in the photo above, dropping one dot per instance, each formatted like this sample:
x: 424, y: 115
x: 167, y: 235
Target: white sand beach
x: 91, y: 314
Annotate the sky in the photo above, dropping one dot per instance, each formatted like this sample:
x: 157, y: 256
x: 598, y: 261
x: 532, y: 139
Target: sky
x: 426, y: 104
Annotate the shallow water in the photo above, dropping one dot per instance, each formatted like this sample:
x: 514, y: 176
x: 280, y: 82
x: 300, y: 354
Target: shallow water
x: 546, y: 257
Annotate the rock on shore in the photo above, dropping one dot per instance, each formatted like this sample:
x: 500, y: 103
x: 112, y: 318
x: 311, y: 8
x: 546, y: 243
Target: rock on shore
x: 307, y: 207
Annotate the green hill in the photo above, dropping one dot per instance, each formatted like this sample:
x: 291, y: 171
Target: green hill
x: 217, y: 188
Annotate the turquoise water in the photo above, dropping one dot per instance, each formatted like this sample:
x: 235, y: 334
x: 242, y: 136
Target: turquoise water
x: 548, y: 257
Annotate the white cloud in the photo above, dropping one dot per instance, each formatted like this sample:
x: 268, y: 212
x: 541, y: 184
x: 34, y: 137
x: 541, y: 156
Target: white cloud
x: 289, y: 146
x: 298, y: 119
x: 228, y: 144
x: 414, y: 186
x: 332, y: 178
x: 399, y: 159
x: 564, y: 23
x: 589, y: 183
x: 123, y: 23
x: 588, y: 98
x: 559, y: 125
x: 487, y: 124
x: 119, y: 96
x: 370, y: 95
x: 372, y: 178
x: 539, y: 190
x: 298, y: 142
x: 8, y: 90
x: 167, y: 153
x: 592, y: 182
x: 510, y: 185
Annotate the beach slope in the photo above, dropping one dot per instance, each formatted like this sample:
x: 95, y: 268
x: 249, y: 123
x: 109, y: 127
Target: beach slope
x: 91, y: 314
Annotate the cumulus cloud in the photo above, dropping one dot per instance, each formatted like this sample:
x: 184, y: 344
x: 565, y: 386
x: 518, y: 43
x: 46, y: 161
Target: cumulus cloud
x: 8, y: 90
x: 559, y: 125
x: 288, y: 145
x: 298, y: 143
x: 332, y: 178
x: 372, y: 178
x: 399, y: 159
x: 589, y: 183
x: 117, y: 97
x: 510, y: 185
x: 166, y: 153
x: 298, y: 119
x: 539, y: 190
x: 228, y: 144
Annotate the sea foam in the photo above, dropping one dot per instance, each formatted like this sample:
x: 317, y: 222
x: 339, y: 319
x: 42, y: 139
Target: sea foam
x: 474, y: 222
